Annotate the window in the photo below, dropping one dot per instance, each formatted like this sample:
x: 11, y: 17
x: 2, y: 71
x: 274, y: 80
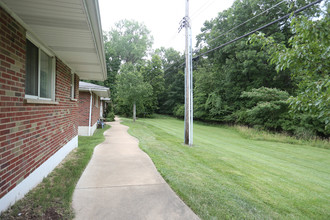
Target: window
x: 95, y: 99
x: 40, y: 73
x: 72, y: 91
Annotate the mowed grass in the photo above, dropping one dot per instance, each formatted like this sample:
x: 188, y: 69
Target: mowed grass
x: 52, y: 198
x: 227, y: 176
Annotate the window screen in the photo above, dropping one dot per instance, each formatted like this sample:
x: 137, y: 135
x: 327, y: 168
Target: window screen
x: 31, y: 78
x: 45, y: 75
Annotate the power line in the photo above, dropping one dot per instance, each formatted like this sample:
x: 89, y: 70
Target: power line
x: 210, y: 3
x: 252, y: 32
x: 172, y: 39
x: 201, y: 9
x: 234, y: 28
x: 173, y: 65
x: 258, y: 29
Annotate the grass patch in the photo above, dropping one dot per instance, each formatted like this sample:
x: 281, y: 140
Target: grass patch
x: 261, y: 135
x: 52, y: 198
x: 229, y: 176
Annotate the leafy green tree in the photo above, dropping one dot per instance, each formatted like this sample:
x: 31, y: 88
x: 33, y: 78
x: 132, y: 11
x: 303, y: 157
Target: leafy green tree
x: 239, y: 66
x: 307, y: 57
x: 127, y: 42
x: 130, y: 41
x: 132, y: 91
x: 168, y: 56
x: 112, y: 63
x: 268, y: 108
x: 173, y: 94
x: 208, y: 102
x: 153, y: 74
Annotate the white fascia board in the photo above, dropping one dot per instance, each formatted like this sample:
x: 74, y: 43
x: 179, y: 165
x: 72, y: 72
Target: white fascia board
x: 101, y: 93
x: 105, y: 99
x: 93, y: 14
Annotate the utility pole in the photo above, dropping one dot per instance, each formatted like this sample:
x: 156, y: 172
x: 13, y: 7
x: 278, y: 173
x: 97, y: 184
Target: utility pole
x: 188, y: 116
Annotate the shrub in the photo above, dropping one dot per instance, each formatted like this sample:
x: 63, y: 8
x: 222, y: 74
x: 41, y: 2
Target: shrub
x: 110, y: 116
x: 179, y: 111
x: 269, y: 109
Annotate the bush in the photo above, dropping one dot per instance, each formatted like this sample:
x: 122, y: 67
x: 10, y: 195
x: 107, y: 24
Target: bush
x: 179, y: 111
x: 305, y: 125
x: 269, y: 110
x: 110, y: 117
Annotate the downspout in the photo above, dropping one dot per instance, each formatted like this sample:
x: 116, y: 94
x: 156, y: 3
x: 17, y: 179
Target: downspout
x: 90, y: 113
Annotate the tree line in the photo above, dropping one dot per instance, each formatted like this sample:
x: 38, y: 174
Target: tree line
x: 277, y: 79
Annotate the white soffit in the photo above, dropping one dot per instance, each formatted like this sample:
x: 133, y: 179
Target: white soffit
x: 70, y: 28
x: 97, y: 89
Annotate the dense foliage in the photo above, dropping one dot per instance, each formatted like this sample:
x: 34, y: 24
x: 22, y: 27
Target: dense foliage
x: 307, y: 56
x: 260, y: 84
x: 126, y: 46
x: 277, y: 79
x: 132, y: 91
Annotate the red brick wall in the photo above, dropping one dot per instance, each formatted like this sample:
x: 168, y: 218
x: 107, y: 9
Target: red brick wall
x: 84, y: 105
x: 29, y: 133
x: 84, y: 98
x: 96, y: 111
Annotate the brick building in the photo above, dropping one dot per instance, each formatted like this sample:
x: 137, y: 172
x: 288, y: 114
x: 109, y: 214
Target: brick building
x: 45, y: 48
x: 91, y: 106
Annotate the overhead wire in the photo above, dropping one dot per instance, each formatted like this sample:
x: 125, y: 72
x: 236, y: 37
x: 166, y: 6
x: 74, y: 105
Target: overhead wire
x: 260, y: 28
x: 234, y: 28
x: 172, y: 39
x: 209, y: 3
x: 254, y: 31
x: 201, y: 9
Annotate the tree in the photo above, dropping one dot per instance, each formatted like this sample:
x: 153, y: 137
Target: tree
x: 129, y: 40
x: 112, y: 63
x: 239, y: 66
x: 153, y: 74
x: 307, y: 57
x: 168, y: 56
x: 172, y: 96
x: 267, y: 109
x: 132, y: 91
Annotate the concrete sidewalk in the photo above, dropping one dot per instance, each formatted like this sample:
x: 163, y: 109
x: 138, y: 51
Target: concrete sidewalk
x: 121, y: 182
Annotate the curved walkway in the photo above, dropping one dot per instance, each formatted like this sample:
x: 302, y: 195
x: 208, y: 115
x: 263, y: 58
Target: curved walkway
x: 121, y: 182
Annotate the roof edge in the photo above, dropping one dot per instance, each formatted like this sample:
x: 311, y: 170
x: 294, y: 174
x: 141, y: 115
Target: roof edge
x: 30, y: 33
x: 96, y: 90
x: 93, y: 14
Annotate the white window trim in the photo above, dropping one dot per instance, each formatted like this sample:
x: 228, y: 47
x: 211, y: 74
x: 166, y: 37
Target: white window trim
x: 96, y: 100
x: 52, y: 56
x: 72, y: 85
x: 38, y: 44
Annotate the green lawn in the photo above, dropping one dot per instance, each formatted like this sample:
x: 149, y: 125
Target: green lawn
x: 227, y: 176
x: 52, y: 198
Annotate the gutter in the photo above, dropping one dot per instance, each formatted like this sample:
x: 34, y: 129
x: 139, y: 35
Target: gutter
x: 99, y: 92
x: 94, y: 21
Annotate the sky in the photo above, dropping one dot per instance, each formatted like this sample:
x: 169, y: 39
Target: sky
x: 162, y: 18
